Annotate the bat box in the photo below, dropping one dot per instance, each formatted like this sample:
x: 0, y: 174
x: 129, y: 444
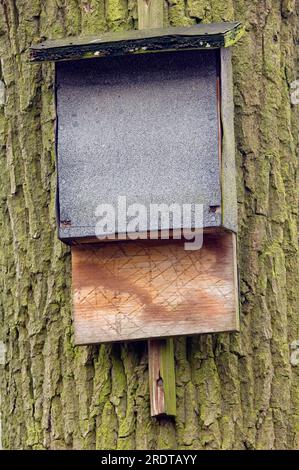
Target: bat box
x: 147, y: 118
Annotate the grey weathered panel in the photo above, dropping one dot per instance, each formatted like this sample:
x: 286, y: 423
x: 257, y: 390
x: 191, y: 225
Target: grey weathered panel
x: 145, y: 127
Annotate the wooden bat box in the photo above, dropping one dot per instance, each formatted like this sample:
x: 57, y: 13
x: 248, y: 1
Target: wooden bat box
x: 147, y: 116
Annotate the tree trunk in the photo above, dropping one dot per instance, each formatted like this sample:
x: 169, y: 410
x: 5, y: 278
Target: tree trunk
x: 234, y: 391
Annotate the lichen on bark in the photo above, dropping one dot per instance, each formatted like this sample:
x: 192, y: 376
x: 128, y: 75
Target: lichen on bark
x: 234, y: 391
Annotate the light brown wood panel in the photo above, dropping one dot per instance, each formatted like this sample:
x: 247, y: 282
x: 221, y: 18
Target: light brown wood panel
x: 148, y: 289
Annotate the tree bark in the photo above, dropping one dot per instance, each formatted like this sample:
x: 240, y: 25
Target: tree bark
x: 234, y: 391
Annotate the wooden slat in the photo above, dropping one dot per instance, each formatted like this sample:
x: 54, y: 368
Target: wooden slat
x: 227, y: 141
x: 162, y: 377
x: 149, y: 289
x: 154, y: 39
x: 150, y: 14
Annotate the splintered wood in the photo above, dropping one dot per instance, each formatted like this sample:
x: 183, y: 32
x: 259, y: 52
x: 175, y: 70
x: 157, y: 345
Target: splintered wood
x: 153, y: 289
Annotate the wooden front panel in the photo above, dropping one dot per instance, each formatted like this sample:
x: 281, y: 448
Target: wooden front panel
x: 149, y: 289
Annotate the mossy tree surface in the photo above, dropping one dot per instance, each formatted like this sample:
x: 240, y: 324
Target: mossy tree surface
x: 234, y: 391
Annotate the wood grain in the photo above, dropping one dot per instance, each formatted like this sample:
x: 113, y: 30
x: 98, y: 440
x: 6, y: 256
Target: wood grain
x: 150, y: 14
x: 150, y: 289
x: 162, y: 377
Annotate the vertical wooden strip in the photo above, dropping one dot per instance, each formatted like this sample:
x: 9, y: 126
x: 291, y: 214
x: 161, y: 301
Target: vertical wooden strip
x: 168, y: 376
x: 228, y: 164
x: 160, y: 352
x: 162, y: 377
x: 155, y: 380
x: 150, y: 14
x: 236, y: 280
